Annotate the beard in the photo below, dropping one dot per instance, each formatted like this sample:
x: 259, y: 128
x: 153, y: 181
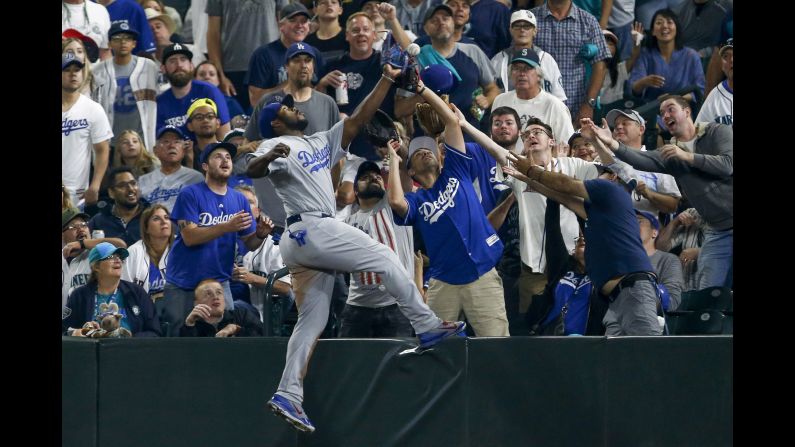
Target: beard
x: 373, y: 191
x: 178, y: 78
x: 507, y: 143
x: 297, y: 124
x: 218, y: 175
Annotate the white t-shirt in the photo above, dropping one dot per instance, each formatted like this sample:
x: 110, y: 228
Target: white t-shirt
x: 303, y: 179
x: 97, y: 25
x: 533, y: 208
x: 544, y: 106
x: 82, y: 126
x: 367, y: 288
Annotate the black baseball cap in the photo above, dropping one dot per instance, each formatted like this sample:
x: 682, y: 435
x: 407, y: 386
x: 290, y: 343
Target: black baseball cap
x: 176, y: 48
x: 433, y: 10
x: 365, y: 167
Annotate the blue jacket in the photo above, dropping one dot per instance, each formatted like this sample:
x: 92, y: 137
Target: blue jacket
x: 139, y: 309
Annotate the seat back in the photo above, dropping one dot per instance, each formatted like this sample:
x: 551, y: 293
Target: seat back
x: 705, y: 322
x: 711, y: 298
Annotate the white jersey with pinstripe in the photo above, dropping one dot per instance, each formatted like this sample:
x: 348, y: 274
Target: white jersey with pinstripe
x: 366, y: 288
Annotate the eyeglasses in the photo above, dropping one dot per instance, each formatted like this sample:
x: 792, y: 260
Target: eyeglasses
x: 522, y: 26
x: 535, y: 133
x: 113, y: 257
x: 132, y: 184
x: 122, y: 38
x: 76, y: 226
x: 202, y: 117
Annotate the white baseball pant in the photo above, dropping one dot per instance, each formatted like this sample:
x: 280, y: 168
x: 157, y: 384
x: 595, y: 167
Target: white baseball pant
x: 330, y: 245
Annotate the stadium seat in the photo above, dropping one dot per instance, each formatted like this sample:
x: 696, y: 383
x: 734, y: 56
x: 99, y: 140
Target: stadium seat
x: 706, y: 322
x: 711, y: 298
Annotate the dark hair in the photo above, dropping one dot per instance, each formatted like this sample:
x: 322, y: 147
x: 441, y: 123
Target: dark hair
x: 685, y: 104
x: 538, y: 122
x: 668, y: 14
x: 206, y: 62
x: 119, y: 170
x: 505, y: 110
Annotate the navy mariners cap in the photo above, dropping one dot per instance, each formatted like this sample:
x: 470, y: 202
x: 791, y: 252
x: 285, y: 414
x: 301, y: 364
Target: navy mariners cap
x: 299, y: 48
x: 68, y: 59
x: 269, y: 113
x: 650, y: 217
x: 71, y: 214
x: 293, y: 9
x: 212, y: 147
x: 419, y: 143
x: 526, y: 55
x: 236, y: 132
x: 365, y: 167
x: 121, y: 26
x: 629, y: 113
x: 439, y: 78
x: 433, y: 10
x: 104, y: 250
x: 176, y: 48
x: 169, y: 128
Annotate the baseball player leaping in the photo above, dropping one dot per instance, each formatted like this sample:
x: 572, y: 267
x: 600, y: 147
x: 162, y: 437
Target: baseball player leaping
x: 299, y: 167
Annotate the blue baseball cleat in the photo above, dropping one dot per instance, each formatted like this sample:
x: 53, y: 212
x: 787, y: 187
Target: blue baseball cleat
x: 445, y: 330
x: 291, y: 412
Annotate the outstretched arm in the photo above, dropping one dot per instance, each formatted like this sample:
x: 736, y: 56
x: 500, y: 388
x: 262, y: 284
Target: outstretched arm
x: 453, y: 136
x: 575, y: 204
x: 395, y: 196
x: 495, y: 150
x: 365, y: 111
x: 561, y: 183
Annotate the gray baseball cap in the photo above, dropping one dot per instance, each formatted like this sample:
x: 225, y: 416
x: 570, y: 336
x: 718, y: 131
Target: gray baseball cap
x: 422, y: 143
x: 629, y: 113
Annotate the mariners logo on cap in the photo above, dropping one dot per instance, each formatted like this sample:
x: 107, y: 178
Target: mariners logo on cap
x: 177, y: 46
x: 524, y: 51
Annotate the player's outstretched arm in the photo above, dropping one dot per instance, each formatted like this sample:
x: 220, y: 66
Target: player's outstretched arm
x: 259, y: 167
x: 571, y: 202
x: 365, y: 111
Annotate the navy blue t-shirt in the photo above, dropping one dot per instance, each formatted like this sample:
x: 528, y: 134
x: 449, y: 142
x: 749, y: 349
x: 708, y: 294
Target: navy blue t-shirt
x: 171, y: 110
x: 612, y: 233
x: 133, y: 14
x: 362, y: 75
x: 266, y: 68
x: 489, y: 26
x: 426, y: 40
x: 461, y: 243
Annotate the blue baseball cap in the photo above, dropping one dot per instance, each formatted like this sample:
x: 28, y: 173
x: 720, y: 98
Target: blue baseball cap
x: 526, y: 55
x: 169, y: 128
x: 650, y: 217
x: 68, y: 59
x: 212, y: 147
x: 104, y: 250
x: 299, y: 48
x: 122, y: 26
x: 269, y: 113
x: 438, y: 78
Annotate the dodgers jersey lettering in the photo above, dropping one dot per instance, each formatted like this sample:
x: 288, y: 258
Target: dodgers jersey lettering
x: 461, y: 243
x: 303, y: 179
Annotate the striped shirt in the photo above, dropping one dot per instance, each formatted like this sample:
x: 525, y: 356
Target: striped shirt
x: 563, y: 40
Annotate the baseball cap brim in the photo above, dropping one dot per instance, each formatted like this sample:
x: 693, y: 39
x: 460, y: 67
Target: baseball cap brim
x: 527, y: 61
x: 162, y: 131
x: 613, y: 114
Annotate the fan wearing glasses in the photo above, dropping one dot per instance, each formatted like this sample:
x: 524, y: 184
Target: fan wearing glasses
x: 123, y: 219
x: 203, y: 121
x: 76, y: 243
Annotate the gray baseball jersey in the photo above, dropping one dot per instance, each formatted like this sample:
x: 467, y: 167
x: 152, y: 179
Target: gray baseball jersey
x: 303, y: 179
x: 157, y: 187
x: 367, y: 288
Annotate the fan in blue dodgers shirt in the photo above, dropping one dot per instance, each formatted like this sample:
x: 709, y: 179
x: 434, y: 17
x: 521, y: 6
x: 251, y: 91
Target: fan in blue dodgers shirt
x: 463, y: 247
x: 617, y: 262
x: 299, y: 167
x: 211, y: 216
x: 173, y: 104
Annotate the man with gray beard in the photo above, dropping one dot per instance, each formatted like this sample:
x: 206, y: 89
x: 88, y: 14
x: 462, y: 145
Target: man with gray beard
x: 210, y: 217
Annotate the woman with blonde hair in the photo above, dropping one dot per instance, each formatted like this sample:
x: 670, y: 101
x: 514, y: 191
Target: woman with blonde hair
x: 149, y: 256
x: 130, y: 151
x: 66, y: 198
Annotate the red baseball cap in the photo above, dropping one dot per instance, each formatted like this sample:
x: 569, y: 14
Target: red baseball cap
x: 92, y: 49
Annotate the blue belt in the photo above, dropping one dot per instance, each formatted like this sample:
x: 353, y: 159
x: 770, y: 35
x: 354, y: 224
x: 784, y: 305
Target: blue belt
x: 297, y: 218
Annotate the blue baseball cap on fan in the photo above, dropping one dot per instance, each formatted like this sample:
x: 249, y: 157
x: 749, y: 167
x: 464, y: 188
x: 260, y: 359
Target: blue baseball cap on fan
x: 650, y: 217
x: 104, y: 250
x: 438, y: 78
x: 269, y: 113
x: 299, y: 48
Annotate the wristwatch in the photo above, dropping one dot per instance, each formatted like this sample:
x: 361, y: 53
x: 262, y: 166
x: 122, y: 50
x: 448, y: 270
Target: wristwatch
x: 592, y: 102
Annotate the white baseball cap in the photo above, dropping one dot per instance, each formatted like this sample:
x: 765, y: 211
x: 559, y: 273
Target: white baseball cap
x: 523, y: 14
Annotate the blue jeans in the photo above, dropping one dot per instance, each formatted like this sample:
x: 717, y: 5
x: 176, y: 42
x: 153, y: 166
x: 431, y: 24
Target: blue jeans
x: 177, y: 303
x: 715, y: 259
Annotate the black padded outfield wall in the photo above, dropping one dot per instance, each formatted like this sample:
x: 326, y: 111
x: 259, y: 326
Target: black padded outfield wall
x: 520, y: 391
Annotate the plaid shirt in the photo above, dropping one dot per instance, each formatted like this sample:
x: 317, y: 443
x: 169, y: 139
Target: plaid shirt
x: 563, y: 40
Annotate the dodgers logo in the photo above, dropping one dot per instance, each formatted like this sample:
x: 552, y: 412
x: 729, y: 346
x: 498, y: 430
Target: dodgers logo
x: 177, y: 121
x: 432, y: 211
x: 317, y: 159
x: 207, y: 219
x: 68, y: 126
